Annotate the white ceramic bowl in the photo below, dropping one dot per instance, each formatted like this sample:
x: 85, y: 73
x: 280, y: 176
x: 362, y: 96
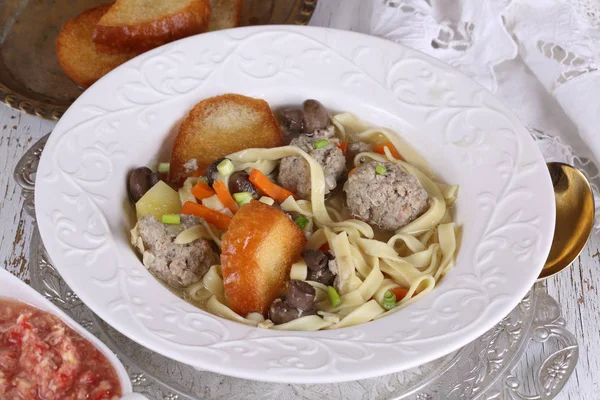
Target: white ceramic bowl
x: 13, y: 288
x: 505, y: 206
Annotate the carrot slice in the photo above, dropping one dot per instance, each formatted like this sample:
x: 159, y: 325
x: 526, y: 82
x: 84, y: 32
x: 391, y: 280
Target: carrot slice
x: 219, y: 220
x: 224, y: 195
x: 343, y: 146
x: 399, y: 292
x: 379, y: 149
x: 324, y: 248
x: 268, y: 188
x: 202, y: 191
x: 196, y: 173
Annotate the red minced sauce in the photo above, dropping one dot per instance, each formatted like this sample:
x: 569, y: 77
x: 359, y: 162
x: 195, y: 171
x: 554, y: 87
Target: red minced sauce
x: 41, y: 358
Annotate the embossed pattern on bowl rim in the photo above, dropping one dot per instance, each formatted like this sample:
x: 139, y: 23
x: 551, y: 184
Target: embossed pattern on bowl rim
x: 468, y: 135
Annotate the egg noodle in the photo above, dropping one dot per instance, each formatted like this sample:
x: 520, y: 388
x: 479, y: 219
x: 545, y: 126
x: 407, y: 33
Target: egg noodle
x: 415, y: 257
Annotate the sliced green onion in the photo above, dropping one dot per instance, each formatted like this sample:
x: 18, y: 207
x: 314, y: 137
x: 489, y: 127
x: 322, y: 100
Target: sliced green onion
x: 381, y: 170
x: 171, y: 219
x: 321, y: 143
x: 164, y: 167
x: 242, y: 197
x: 301, y: 221
x: 389, y: 300
x: 203, y: 179
x: 225, y: 167
x: 267, y: 200
x: 334, y: 297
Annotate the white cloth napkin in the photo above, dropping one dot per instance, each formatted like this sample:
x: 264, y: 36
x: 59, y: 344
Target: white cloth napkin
x: 541, y: 57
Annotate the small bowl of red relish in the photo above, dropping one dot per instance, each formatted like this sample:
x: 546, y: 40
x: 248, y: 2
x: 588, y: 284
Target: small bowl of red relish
x: 45, y: 355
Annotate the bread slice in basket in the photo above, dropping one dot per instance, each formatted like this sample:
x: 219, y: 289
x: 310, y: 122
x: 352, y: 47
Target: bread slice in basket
x: 77, y: 53
x: 219, y: 126
x: 141, y: 25
x: 225, y: 14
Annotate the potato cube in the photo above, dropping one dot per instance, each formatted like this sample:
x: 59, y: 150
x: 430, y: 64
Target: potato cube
x: 159, y: 200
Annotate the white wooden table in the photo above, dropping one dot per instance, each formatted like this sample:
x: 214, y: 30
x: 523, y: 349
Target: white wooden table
x: 576, y: 289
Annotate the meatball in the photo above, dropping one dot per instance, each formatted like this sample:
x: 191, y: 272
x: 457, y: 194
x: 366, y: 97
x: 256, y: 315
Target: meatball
x: 294, y: 171
x: 324, y: 133
x: 179, y: 265
x: 389, y: 200
x: 357, y: 147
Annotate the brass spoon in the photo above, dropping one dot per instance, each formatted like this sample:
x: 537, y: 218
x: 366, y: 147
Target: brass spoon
x: 574, y: 217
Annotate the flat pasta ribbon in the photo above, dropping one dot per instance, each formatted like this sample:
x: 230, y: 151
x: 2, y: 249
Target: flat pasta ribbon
x: 367, y: 268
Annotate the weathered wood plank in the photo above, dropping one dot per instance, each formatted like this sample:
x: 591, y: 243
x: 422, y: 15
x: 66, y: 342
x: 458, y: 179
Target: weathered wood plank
x: 576, y: 290
x: 17, y: 133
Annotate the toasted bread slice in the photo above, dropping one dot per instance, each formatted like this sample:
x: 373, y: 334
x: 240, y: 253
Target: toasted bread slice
x: 77, y: 53
x: 141, y: 25
x: 257, y: 252
x: 225, y: 14
x: 219, y: 126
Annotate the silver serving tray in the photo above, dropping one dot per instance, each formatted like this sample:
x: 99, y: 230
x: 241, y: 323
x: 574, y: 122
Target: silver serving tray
x: 491, y: 367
